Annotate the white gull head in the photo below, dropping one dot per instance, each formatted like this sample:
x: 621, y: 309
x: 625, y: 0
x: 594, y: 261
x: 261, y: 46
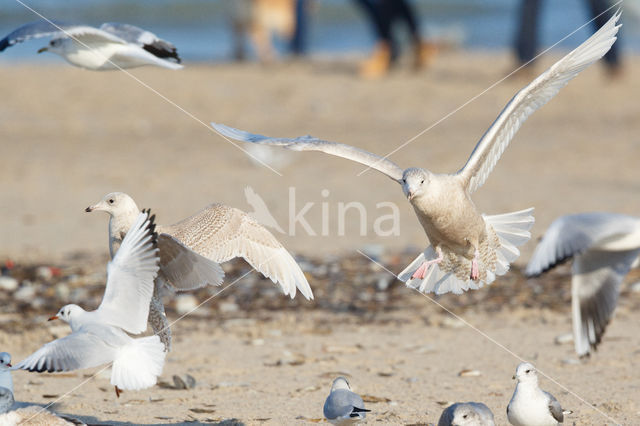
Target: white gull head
x: 415, y: 182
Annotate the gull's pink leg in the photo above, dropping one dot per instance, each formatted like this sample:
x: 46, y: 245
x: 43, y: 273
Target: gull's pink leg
x: 475, y: 271
x: 421, y: 272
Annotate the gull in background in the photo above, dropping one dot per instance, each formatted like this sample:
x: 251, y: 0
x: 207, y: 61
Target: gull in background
x: 466, y: 414
x: 110, y: 47
x: 342, y: 406
x: 604, y: 247
x: 100, y: 337
x: 191, y: 250
x: 467, y: 249
x: 530, y: 405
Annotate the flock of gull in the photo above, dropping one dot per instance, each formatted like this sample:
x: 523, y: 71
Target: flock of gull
x: 467, y: 249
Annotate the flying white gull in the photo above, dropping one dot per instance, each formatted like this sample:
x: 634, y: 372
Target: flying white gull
x: 604, y: 246
x: 191, y: 249
x: 530, y: 405
x: 466, y: 414
x: 342, y: 406
x: 467, y: 249
x: 99, y: 337
x: 110, y: 47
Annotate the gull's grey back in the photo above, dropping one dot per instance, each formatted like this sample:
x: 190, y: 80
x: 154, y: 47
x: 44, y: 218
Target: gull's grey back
x: 340, y: 403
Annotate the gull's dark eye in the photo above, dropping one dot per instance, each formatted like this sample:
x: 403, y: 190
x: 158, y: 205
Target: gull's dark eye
x: 528, y: 371
x: 404, y: 181
x: 110, y: 200
x: 422, y: 181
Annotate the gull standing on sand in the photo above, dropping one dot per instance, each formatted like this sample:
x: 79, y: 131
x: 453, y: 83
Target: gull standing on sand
x: 215, y: 234
x: 466, y: 414
x: 467, y: 249
x: 530, y: 405
x: 5, y: 371
x: 604, y: 247
x: 99, y: 337
x: 342, y: 406
x: 110, y: 47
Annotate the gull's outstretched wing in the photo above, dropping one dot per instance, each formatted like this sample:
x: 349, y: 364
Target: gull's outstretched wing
x: 32, y: 30
x: 309, y: 143
x: 84, y: 348
x: 220, y: 233
x: 185, y: 269
x: 489, y: 149
x: 143, y: 38
x: 573, y: 234
x: 595, y: 287
x: 130, y: 277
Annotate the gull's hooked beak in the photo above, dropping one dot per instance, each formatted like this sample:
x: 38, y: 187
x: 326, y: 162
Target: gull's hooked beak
x: 99, y: 206
x: 410, y: 195
x: 9, y: 364
x: 55, y: 317
x: 42, y: 49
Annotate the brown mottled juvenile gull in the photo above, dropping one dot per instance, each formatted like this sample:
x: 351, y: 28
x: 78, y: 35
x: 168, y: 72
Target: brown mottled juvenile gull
x: 604, y: 247
x: 467, y: 249
x: 215, y: 234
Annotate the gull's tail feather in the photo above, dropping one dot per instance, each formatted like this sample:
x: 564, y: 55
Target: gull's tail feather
x: 512, y: 230
x: 138, y: 364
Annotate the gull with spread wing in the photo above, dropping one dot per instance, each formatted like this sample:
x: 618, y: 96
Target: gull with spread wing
x: 110, y: 47
x: 604, y: 247
x: 467, y: 249
x: 100, y: 337
x: 191, y: 249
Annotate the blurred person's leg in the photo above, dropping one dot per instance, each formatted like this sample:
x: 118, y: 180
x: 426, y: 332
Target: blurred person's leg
x: 299, y: 39
x: 380, y: 60
x: 527, y: 32
x: 402, y: 10
x: 598, y: 7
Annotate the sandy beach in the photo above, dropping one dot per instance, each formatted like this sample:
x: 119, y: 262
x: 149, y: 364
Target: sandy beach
x: 70, y: 136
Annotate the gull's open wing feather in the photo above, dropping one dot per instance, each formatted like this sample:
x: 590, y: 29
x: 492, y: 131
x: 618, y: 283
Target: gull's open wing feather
x: 30, y: 31
x: 143, y: 38
x: 489, y: 149
x: 185, y: 269
x: 84, y: 348
x: 309, y: 143
x: 220, y: 233
x: 574, y: 234
x: 130, y: 277
x: 595, y: 287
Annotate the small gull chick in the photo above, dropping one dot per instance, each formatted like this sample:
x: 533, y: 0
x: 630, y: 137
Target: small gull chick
x: 530, y: 405
x: 466, y: 414
x: 468, y: 249
x: 342, y: 406
x: 110, y: 47
x: 101, y: 336
x: 604, y: 247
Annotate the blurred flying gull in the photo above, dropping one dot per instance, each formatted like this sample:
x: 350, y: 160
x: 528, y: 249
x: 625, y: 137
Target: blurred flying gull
x: 112, y: 46
x: 604, y: 247
x: 467, y: 249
